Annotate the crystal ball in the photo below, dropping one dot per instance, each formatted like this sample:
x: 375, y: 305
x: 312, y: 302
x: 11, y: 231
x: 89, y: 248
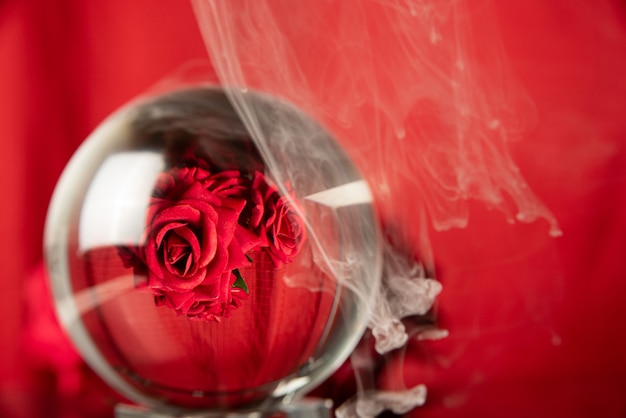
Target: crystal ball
x: 197, y: 265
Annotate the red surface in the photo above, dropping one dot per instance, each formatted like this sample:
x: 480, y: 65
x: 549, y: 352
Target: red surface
x: 536, y: 324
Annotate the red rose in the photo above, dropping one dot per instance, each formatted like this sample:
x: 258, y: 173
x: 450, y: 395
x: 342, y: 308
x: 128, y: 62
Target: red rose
x: 255, y: 190
x: 194, y: 240
x: 285, y: 230
x: 200, y: 228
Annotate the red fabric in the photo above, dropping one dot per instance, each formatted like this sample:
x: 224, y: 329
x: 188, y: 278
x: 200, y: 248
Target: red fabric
x: 536, y: 323
x: 64, y: 65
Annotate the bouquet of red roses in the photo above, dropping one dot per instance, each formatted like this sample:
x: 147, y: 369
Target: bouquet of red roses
x: 202, y: 227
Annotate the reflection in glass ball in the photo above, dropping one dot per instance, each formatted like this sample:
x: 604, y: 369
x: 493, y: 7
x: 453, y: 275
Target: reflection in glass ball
x: 190, y: 273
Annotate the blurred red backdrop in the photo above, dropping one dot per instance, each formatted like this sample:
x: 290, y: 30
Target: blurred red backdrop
x: 536, y: 324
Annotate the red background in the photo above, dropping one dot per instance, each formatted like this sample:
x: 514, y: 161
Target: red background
x: 536, y: 323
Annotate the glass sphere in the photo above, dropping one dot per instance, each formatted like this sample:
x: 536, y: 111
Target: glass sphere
x: 195, y: 267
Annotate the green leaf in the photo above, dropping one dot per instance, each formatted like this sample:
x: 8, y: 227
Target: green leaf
x: 240, y: 282
x: 250, y: 259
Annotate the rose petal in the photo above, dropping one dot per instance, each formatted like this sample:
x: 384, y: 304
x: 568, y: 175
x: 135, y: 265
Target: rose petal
x: 217, y: 266
x: 177, y: 213
x: 198, y: 192
x: 158, y: 239
x: 228, y: 219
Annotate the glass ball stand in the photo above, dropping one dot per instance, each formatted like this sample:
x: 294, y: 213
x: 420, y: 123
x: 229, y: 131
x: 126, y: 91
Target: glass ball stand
x: 304, y: 408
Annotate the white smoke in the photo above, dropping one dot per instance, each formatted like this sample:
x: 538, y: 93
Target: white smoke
x: 420, y: 95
